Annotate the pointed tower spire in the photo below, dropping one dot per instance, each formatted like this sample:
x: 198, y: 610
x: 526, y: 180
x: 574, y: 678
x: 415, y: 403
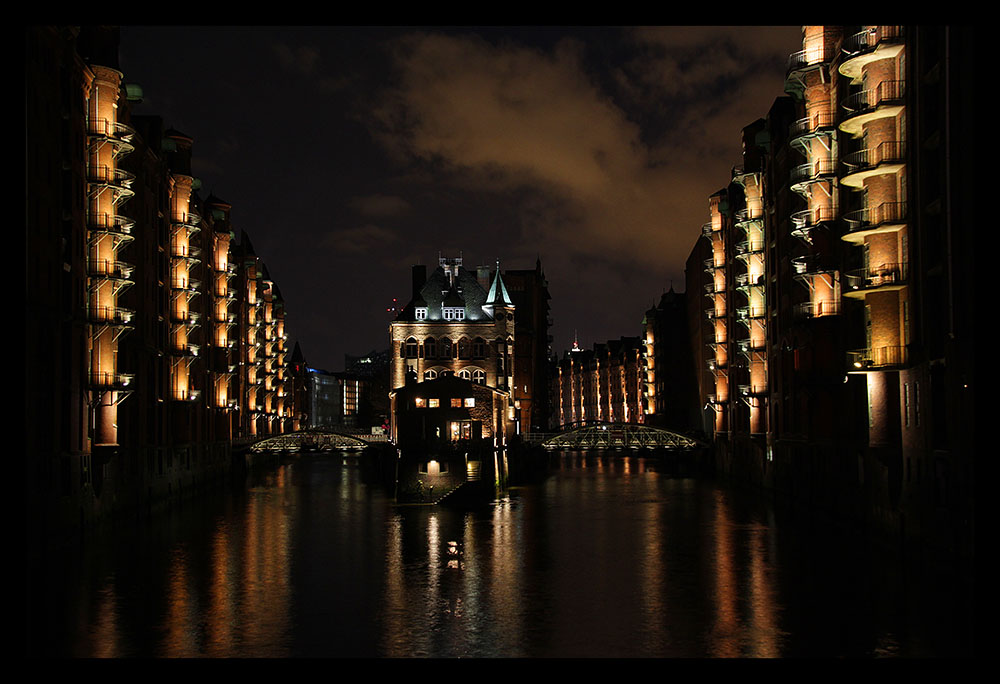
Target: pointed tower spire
x: 497, y: 295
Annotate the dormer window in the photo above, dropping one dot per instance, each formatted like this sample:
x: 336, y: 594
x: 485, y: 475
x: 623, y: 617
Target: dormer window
x: 421, y: 313
x: 454, y: 313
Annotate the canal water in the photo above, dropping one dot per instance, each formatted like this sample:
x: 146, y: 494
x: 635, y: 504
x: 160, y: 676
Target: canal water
x: 609, y: 556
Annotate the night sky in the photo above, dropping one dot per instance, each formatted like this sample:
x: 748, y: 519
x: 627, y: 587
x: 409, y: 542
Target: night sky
x: 350, y: 154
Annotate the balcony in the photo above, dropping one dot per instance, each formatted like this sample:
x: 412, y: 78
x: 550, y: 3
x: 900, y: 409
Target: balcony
x: 119, y: 227
x: 110, y: 315
x: 887, y: 217
x: 870, y: 45
x: 119, y: 181
x: 883, y: 277
x: 117, y: 134
x: 744, y: 220
x: 808, y: 265
x: 750, y: 350
x: 188, y: 349
x: 108, y: 380
x: 749, y: 280
x: 885, y: 100
x: 707, y: 230
x: 711, y: 266
x: 713, y: 314
x: 877, y: 358
x: 745, y: 313
x: 110, y: 269
x: 807, y: 310
x: 189, y: 253
x: 188, y: 285
x: 811, y: 58
x: 711, y: 289
x: 187, y: 317
x: 189, y: 221
x: 817, y: 171
x: 802, y: 62
x: 803, y: 222
x: 185, y: 395
x: 803, y: 130
x: 741, y: 174
x: 746, y: 248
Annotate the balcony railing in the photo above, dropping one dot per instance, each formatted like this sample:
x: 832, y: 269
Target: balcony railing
x: 191, y: 252
x: 873, y: 217
x: 805, y: 310
x: 745, y: 313
x: 107, y: 175
x: 189, y: 284
x: 110, y: 129
x: 811, y: 57
x: 819, y: 121
x: 890, y: 151
x: 108, y: 380
x: 752, y: 390
x: 713, y: 313
x: 870, y: 38
x: 110, y: 315
x: 812, y: 171
x: 878, y: 357
x: 884, y: 275
x: 867, y: 100
x: 109, y: 268
x: 115, y: 224
x: 746, y: 247
x: 746, y: 280
x: 707, y: 230
x: 185, y: 395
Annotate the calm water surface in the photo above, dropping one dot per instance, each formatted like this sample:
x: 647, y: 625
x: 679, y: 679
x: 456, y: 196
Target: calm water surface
x: 607, y: 557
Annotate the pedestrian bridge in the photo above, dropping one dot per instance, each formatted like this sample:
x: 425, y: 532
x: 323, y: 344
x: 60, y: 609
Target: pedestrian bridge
x: 617, y: 436
x: 314, y: 440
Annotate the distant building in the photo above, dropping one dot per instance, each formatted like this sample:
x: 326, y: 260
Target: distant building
x: 606, y: 384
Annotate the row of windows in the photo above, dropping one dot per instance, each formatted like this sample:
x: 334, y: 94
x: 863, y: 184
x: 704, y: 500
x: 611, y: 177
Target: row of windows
x: 476, y: 375
x: 445, y: 349
x: 455, y: 402
x: 451, y: 313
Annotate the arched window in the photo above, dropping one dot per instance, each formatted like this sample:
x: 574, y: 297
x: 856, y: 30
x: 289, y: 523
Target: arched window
x: 465, y: 374
x: 430, y: 374
x: 430, y: 348
x: 445, y: 348
x: 479, y: 376
x: 479, y: 348
x: 411, y: 348
x: 464, y: 348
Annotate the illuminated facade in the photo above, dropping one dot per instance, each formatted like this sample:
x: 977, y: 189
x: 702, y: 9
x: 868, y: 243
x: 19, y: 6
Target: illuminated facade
x: 457, y: 323
x: 138, y: 298
x: 606, y: 384
x: 839, y: 314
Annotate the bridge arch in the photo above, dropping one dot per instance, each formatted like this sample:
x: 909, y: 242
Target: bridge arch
x: 317, y: 439
x: 620, y: 436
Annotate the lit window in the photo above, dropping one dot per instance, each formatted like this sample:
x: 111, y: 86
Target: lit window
x: 456, y: 402
x: 421, y: 313
x: 433, y: 403
x: 419, y: 402
x: 470, y: 401
x: 430, y: 374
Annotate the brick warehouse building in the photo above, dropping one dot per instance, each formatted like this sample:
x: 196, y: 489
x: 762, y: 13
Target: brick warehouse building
x: 154, y: 338
x: 837, y: 340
